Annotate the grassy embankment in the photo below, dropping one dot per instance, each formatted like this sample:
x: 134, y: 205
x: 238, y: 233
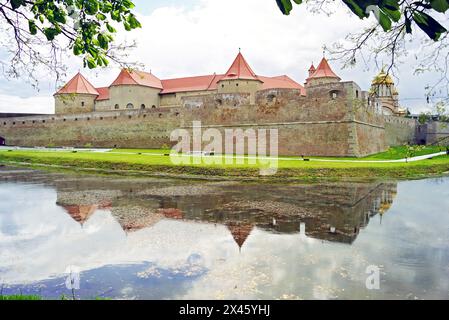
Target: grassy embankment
x: 151, y: 162
x: 19, y: 297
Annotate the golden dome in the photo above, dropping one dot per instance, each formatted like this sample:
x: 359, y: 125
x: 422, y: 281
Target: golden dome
x: 383, y: 78
x: 384, y: 207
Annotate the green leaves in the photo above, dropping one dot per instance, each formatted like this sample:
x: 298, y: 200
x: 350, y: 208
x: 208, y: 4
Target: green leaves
x: 286, y: 5
x: 15, y: 4
x: 391, y: 13
x: 429, y: 25
x: 439, y: 5
x: 86, y: 23
x: 32, y: 27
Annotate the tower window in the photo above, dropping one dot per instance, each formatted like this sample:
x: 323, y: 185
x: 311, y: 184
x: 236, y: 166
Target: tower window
x: 357, y: 94
x: 117, y: 107
x: 334, y: 94
x: 129, y: 106
x: 153, y: 106
x: 82, y: 103
x: 142, y: 106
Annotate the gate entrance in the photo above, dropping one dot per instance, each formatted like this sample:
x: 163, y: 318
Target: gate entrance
x: 2, y: 141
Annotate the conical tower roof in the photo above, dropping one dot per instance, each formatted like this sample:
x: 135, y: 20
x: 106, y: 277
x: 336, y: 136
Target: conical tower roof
x: 240, y: 69
x: 78, y: 84
x: 324, y: 70
x: 240, y: 232
x: 312, y: 69
x: 135, y: 77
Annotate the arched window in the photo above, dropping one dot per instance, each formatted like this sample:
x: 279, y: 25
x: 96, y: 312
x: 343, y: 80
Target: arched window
x: 271, y: 97
x: 334, y: 94
x: 129, y: 106
x: 82, y: 103
x: 117, y: 107
x: 219, y: 102
x: 153, y: 106
x: 142, y: 106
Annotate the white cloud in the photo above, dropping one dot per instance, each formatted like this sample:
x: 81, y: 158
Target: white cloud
x: 13, y: 104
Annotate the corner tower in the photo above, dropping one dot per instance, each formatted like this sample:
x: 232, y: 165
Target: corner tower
x: 240, y: 78
x: 77, y: 96
x: 323, y: 74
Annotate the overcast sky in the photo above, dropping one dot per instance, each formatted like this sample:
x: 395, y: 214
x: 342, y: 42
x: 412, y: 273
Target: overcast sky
x: 194, y: 37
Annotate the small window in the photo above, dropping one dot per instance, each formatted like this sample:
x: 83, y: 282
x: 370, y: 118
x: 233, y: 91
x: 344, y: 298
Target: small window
x: 23, y: 122
x: 357, y: 94
x: 236, y: 84
x: 142, y: 106
x: 160, y: 115
x: 82, y: 103
x: 129, y: 106
x: 219, y: 102
x: 334, y: 94
x: 153, y: 106
x: 117, y: 107
x: 222, y: 85
x: 271, y: 97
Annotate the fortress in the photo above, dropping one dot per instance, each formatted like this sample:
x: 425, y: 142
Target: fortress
x: 325, y: 117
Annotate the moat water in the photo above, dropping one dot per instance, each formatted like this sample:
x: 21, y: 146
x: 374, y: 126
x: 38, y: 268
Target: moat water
x: 178, y: 239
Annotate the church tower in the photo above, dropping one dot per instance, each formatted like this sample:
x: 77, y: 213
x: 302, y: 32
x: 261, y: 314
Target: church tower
x: 384, y: 95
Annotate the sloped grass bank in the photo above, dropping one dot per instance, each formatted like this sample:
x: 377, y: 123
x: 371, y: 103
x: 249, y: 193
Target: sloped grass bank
x: 137, y: 164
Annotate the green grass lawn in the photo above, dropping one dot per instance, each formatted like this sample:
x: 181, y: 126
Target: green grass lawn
x: 148, y: 161
x: 19, y: 297
x: 394, y: 153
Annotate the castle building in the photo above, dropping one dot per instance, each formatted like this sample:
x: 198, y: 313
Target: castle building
x: 327, y: 116
x: 135, y: 89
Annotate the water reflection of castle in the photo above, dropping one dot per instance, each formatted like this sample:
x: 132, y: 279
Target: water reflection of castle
x: 331, y: 212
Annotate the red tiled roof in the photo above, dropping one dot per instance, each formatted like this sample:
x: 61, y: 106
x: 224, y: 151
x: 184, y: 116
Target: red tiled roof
x: 78, y: 84
x: 323, y: 71
x: 200, y: 83
x: 240, y: 232
x: 103, y: 93
x: 312, y: 68
x: 134, y: 77
x: 281, y: 82
x: 240, y: 69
